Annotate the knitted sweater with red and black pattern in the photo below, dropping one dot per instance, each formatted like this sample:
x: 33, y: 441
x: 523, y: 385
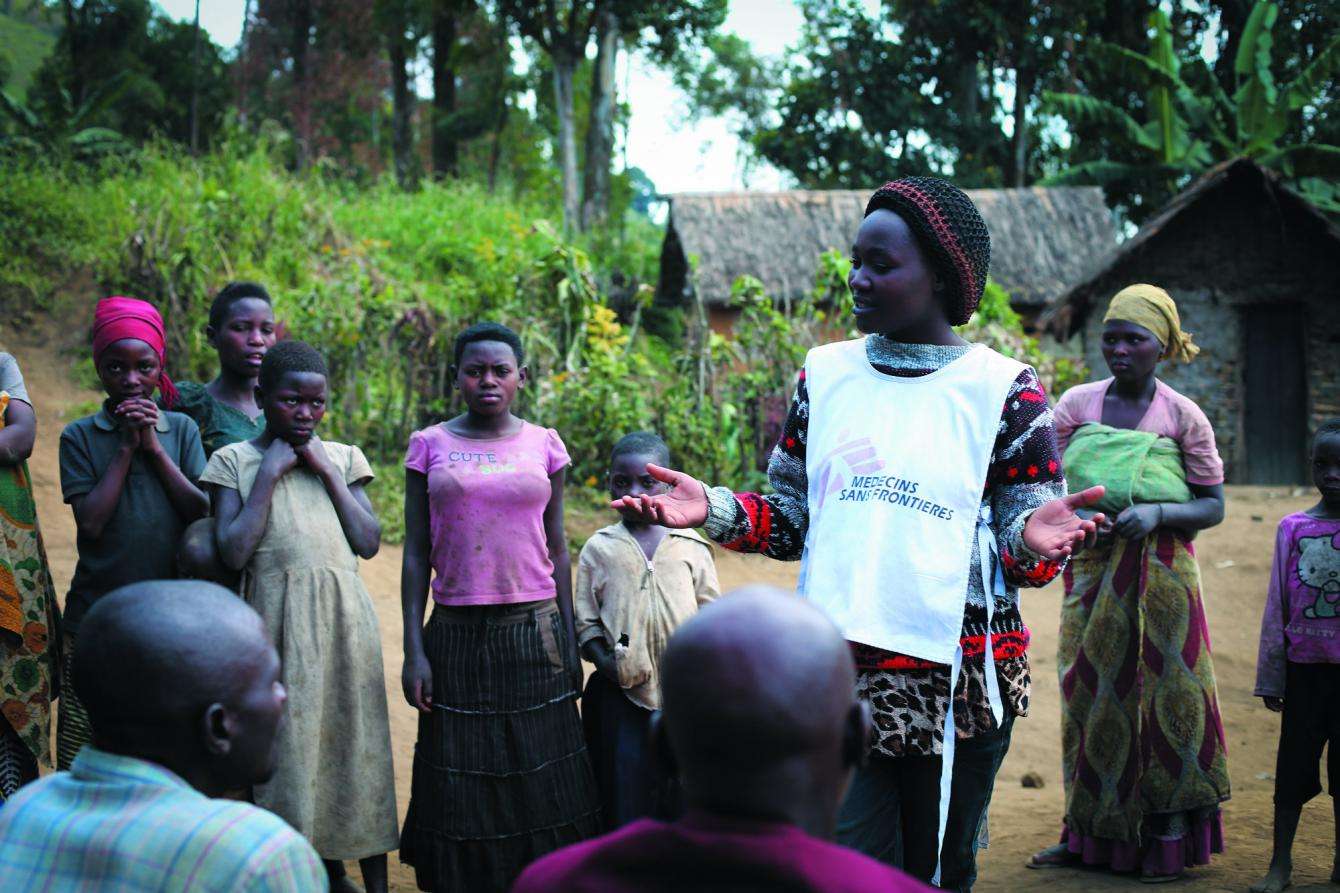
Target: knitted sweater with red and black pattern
x: 1024, y: 473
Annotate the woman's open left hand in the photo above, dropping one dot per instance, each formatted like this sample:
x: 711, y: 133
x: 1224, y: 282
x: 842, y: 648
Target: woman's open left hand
x: 684, y: 506
x: 1055, y: 531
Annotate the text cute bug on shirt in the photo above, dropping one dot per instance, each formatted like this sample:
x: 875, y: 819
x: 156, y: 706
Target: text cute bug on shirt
x: 479, y: 462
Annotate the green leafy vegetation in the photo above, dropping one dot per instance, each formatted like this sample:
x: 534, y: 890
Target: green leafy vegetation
x: 23, y: 47
x: 381, y: 280
x: 1138, y: 96
x: 1194, y: 123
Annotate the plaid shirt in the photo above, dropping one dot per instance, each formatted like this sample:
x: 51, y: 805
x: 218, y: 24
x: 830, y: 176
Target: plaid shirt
x: 117, y: 824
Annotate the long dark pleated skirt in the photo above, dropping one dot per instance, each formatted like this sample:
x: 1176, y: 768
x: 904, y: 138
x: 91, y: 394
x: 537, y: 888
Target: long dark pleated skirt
x: 501, y: 775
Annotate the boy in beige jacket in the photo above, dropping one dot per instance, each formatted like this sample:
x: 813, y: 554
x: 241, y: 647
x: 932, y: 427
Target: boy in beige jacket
x: 636, y: 584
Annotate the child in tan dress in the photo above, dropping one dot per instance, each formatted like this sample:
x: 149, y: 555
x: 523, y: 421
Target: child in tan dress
x: 293, y: 517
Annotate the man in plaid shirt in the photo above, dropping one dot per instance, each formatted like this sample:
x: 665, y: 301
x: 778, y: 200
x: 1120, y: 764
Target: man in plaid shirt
x: 182, y: 688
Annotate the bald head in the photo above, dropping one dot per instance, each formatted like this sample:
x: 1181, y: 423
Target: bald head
x: 758, y: 681
x: 152, y: 661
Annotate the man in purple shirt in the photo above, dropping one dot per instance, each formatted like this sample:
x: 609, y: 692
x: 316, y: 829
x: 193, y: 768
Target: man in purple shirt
x: 760, y: 718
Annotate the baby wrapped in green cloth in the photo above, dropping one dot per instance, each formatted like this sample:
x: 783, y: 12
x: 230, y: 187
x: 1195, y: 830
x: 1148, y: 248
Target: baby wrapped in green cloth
x: 1135, y: 466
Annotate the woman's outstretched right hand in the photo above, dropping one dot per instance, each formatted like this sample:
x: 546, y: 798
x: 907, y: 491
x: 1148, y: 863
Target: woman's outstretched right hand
x: 684, y: 506
x: 417, y: 681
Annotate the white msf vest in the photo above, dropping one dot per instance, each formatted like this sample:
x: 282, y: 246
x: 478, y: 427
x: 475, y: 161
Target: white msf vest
x: 896, y: 469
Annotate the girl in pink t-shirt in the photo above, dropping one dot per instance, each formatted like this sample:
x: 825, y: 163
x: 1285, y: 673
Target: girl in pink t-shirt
x: 501, y: 775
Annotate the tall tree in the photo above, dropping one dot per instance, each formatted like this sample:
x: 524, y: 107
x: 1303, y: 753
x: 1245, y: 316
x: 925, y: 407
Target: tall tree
x: 472, y: 79
x: 195, y: 81
x: 725, y: 78
x: 78, y: 19
x: 320, y: 67
x: 663, y: 30
x: 562, y: 29
x: 446, y: 16
x: 300, y: 40
x: 401, y: 24
x: 903, y: 88
x: 599, y: 152
x: 239, y: 72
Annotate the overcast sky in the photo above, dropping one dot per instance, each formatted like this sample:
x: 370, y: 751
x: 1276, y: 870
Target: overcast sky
x: 677, y: 156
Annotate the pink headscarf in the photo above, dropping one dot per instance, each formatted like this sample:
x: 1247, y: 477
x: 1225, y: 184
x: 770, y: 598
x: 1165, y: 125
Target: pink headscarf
x: 119, y: 318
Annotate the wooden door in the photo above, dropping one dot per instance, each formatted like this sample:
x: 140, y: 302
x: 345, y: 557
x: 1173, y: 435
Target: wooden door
x: 1275, y: 414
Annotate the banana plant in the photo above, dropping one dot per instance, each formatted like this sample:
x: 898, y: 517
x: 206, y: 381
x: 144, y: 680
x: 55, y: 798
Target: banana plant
x: 1164, y: 139
x: 1193, y: 123
x: 64, y: 131
x: 1263, y: 109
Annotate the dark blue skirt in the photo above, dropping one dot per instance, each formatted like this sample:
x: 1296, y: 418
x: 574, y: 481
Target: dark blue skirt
x: 501, y: 775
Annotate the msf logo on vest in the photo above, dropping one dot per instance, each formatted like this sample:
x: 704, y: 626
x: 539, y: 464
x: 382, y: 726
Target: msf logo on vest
x: 852, y: 457
x: 852, y: 473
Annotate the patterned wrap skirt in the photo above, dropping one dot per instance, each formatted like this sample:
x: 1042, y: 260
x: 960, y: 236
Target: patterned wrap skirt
x: 501, y: 775
x: 29, y: 624
x: 1144, y: 757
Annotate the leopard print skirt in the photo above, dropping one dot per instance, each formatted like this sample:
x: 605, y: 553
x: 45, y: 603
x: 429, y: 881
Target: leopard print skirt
x: 909, y: 706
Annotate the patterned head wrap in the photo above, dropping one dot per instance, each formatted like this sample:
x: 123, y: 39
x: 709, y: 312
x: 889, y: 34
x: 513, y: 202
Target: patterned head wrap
x: 1154, y: 309
x: 116, y: 319
x: 949, y: 229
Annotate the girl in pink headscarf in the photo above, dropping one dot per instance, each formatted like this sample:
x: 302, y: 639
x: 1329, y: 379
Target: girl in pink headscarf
x: 129, y: 473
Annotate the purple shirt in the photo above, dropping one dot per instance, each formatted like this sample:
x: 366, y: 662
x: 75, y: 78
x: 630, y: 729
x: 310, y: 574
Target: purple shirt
x: 708, y: 852
x: 1301, y: 622
x: 486, y: 502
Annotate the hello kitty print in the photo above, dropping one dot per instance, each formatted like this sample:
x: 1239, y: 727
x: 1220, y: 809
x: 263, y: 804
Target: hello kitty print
x: 1318, y: 569
x: 1301, y: 620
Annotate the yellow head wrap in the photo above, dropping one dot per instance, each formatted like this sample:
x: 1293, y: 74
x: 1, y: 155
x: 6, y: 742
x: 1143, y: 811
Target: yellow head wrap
x: 1153, y: 308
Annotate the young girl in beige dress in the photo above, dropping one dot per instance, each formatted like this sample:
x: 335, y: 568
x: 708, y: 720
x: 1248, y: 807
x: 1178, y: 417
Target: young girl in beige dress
x: 293, y: 517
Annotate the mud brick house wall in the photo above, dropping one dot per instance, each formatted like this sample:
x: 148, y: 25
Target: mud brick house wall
x: 1042, y: 241
x: 1255, y: 271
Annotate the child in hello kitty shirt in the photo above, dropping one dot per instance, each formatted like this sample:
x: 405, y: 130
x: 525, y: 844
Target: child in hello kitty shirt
x: 1298, y: 669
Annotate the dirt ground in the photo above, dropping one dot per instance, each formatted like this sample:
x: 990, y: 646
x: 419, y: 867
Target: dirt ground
x: 1235, y: 563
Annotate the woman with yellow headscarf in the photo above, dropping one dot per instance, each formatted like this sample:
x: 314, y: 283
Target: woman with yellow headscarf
x: 1145, y: 763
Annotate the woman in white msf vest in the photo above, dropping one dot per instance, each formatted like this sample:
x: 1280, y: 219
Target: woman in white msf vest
x: 919, y: 482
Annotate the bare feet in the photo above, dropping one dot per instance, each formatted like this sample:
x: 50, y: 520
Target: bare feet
x: 1278, y: 878
x: 1160, y: 878
x: 343, y: 884
x: 1058, y: 856
x: 339, y: 879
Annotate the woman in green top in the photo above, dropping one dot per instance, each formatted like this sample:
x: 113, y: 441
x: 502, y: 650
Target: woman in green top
x: 241, y: 329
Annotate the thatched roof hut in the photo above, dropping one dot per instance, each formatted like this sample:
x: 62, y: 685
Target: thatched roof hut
x: 1255, y: 270
x: 1042, y: 240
